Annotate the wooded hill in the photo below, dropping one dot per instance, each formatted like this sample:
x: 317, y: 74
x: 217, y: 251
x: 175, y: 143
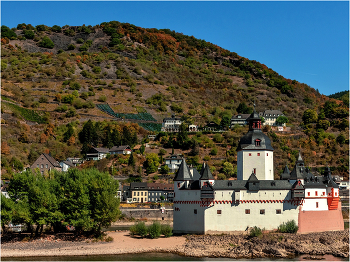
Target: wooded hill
x: 56, y: 78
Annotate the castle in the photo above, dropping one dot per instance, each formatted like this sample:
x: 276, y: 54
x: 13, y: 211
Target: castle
x: 205, y: 205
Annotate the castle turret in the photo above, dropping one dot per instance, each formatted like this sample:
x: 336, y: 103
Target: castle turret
x: 206, y: 176
x: 299, y: 172
x: 183, y: 176
x: 255, y: 152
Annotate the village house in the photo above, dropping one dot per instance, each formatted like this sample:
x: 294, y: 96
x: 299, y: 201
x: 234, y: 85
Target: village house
x: 271, y: 116
x: 117, y: 150
x: 240, y: 119
x: 142, y: 192
x: 97, y: 153
x: 45, y: 163
x: 171, y: 124
x: 173, y: 162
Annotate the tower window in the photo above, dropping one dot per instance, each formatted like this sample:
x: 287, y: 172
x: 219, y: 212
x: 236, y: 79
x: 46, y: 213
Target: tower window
x: 262, y: 211
x: 218, y: 212
x: 267, y: 154
x: 250, y: 154
x: 195, y: 211
x: 247, y: 211
x: 257, y: 142
x: 316, y: 193
x: 316, y: 204
x: 278, y: 211
x: 258, y: 154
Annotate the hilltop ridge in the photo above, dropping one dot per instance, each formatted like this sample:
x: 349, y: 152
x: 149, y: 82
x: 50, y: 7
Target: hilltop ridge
x: 54, y: 76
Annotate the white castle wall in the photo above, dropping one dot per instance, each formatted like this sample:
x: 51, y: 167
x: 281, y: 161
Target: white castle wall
x: 233, y: 217
x: 185, y: 220
x: 313, y: 201
x: 247, y: 160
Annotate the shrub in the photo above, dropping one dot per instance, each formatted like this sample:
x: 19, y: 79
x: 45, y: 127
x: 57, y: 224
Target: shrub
x: 289, y: 227
x: 43, y: 99
x: 40, y: 27
x: 154, y: 230
x: 255, y: 232
x: 214, y: 152
x: 166, y: 230
x: 29, y: 34
x: 102, y: 98
x: 71, y: 47
x: 56, y: 28
x: 80, y: 40
x: 141, y: 229
x: 46, y: 42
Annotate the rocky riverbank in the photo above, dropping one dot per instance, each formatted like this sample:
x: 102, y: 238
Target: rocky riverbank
x: 268, y: 245
x: 225, y: 246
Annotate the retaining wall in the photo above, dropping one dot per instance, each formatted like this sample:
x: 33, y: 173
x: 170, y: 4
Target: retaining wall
x: 154, y: 214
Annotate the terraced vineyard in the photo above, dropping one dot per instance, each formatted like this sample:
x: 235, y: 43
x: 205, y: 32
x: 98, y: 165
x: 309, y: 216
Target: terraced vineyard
x: 139, y: 116
x: 151, y: 126
x: 27, y: 114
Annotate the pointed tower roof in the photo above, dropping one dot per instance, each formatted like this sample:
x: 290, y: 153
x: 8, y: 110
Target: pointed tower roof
x: 286, y: 173
x: 205, y: 173
x: 253, y: 178
x: 255, y: 138
x: 183, y: 173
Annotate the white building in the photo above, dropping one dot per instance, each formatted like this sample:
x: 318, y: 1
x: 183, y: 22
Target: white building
x: 205, y: 205
x: 171, y: 124
x: 271, y: 116
x: 173, y: 162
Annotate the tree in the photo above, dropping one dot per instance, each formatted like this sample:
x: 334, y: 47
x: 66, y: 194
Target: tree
x: 151, y: 164
x: 7, y: 32
x: 56, y: 29
x: 131, y: 161
x: 7, y: 208
x: 5, y: 149
x: 281, y: 120
x: 182, y: 137
x: 323, y: 124
x: 244, y: 109
x: 225, y: 121
x: 228, y: 169
x: 310, y: 116
x: 40, y: 27
x: 164, y: 169
x: 341, y: 139
x: 29, y: 34
x: 69, y: 133
x: 194, y: 147
x: 46, y: 42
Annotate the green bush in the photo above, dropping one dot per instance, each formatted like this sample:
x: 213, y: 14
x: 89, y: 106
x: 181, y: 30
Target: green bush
x: 71, y: 47
x: 154, y: 230
x: 133, y: 230
x: 40, y: 27
x: 80, y: 40
x: 56, y: 28
x: 255, y: 232
x: 166, y: 230
x: 102, y: 98
x: 141, y: 229
x: 29, y: 34
x: 46, y: 42
x: 289, y: 227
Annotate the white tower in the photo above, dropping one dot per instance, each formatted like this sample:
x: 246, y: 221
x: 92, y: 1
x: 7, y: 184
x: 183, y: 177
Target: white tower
x: 254, y: 152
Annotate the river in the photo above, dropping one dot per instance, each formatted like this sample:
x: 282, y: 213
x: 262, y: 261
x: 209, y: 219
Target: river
x: 162, y: 257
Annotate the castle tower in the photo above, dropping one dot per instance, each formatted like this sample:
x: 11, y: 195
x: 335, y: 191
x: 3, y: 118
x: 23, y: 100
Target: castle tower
x: 254, y: 152
x: 206, y: 176
x: 183, y: 176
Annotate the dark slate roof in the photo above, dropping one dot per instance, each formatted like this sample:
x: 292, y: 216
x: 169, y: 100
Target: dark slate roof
x: 267, y: 113
x: 175, y: 157
x: 205, y: 173
x: 51, y: 160
x: 68, y: 163
x: 138, y: 185
x: 171, y: 118
x: 119, y: 148
x: 242, y: 116
x: 286, y: 173
x: 248, y: 141
x: 254, y: 115
x: 242, y: 185
x: 99, y: 150
x: 196, y: 175
x: 183, y: 173
x: 253, y: 178
x: 314, y: 184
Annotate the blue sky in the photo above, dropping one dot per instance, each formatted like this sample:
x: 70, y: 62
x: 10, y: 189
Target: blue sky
x: 306, y: 41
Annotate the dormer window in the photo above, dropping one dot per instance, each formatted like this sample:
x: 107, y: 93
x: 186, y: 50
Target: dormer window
x: 257, y: 142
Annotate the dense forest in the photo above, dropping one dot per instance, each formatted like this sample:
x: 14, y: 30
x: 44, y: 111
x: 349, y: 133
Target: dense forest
x: 64, y: 89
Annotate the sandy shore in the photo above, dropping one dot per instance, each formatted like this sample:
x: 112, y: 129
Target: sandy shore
x: 282, y: 245
x: 123, y: 243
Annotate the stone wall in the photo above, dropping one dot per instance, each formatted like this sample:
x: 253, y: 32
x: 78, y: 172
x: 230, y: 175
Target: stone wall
x: 152, y: 214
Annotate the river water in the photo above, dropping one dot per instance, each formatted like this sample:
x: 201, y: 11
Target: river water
x: 162, y: 257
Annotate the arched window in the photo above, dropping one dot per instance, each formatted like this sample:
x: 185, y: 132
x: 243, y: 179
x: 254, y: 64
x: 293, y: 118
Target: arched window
x: 257, y: 142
